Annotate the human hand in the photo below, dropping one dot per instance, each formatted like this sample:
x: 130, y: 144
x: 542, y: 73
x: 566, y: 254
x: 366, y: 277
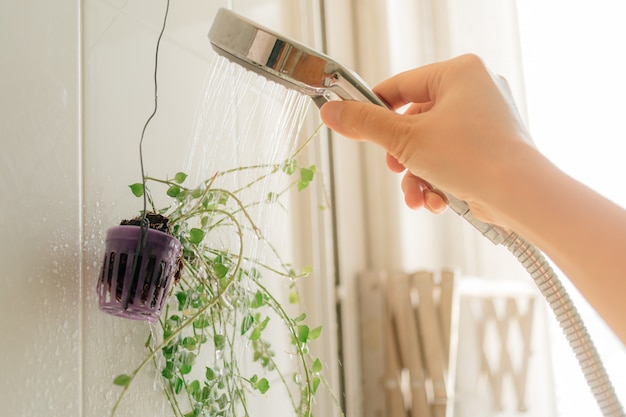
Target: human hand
x: 459, y: 131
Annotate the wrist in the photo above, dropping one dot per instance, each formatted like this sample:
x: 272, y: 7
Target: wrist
x: 516, y: 186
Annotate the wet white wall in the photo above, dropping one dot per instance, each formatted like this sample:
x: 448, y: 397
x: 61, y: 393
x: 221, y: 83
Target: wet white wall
x: 76, y: 89
x: 40, y: 284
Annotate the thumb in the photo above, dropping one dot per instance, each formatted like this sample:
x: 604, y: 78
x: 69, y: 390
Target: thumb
x: 358, y: 120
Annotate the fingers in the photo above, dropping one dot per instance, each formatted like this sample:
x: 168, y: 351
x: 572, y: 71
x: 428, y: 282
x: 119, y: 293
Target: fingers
x: 365, y: 121
x: 394, y: 165
x: 388, y: 129
x: 413, y: 190
x: 434, y: 202
x: 357, y: 120
x: 414, y: 86
x: 428, y: 83
x: 368, y: 121
x: 418, y: 193
x: 417, y: 108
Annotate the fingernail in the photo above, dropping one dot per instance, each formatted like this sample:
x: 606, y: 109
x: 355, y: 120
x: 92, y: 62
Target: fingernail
x: 434, y: 202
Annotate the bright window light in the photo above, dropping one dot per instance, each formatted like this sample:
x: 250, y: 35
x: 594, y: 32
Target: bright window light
x: 574, y: 55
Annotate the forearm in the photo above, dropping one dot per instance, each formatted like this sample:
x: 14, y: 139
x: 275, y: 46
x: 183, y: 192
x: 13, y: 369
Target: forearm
x: 581, y: 231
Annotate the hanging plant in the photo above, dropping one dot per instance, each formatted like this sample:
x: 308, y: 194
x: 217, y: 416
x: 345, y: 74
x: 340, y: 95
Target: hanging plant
x: 211, y: 304
x: 222, y: 304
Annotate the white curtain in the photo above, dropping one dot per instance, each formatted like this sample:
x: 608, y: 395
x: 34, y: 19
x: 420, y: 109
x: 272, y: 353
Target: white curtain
x: 396, y: 35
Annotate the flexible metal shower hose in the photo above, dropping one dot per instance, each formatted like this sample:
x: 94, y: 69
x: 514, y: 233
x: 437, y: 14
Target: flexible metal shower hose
x: 571, y: 323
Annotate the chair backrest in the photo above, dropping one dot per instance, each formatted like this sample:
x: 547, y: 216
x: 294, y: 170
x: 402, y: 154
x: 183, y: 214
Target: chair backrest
x: 407, y: 324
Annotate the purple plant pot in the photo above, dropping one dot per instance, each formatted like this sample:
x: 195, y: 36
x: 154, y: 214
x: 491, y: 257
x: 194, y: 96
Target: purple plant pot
x: 139, y: 295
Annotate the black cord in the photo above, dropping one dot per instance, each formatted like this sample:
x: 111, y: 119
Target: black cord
x: 156, y: 106
x: 145, y: 223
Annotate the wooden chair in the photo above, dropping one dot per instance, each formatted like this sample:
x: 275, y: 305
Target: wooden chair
x: 407, y: 324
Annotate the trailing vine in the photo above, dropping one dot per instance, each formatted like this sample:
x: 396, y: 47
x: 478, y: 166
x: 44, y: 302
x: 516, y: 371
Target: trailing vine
x: 222, y: 304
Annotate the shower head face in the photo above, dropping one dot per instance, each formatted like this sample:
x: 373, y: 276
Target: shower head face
x: 285, y: 61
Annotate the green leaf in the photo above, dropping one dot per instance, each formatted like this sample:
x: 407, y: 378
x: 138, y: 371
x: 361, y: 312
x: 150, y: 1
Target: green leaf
x: 303, y: 333
x: 289, y: 167
x: 294, y: 298
x: 169, y: 351
x: 198, y: 301
x: 206, y: 393
x: 315, y: 333
x: 306, y: 176
x: 316, y: 383
x: 137, y: 189
x: 122, y: 380
x: 220, y: 270
x: 177, y: 385
x: 224, y: 282
x: 193, y: 387
x: 317, y: 366
x: 256, y: 334
x: 210, y: 374
x: 168, y: 371
x: 263, y: 385
x: 220, y: 197
x: 189, y: 343
x: 197, y: 192
x: 271, y: 197
x: 258, y: 300
x: 182, y: 300
x: 148, y: 341
x: 201, y: 322
x: 180, y: 177
x: 196, y: 235
x: 301, y: 317
x: 173, y: 191
x: 219, y: 340
x: 246, y: 323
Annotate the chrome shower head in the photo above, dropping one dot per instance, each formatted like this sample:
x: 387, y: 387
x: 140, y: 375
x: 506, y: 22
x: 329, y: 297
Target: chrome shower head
x: 285, y: 61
